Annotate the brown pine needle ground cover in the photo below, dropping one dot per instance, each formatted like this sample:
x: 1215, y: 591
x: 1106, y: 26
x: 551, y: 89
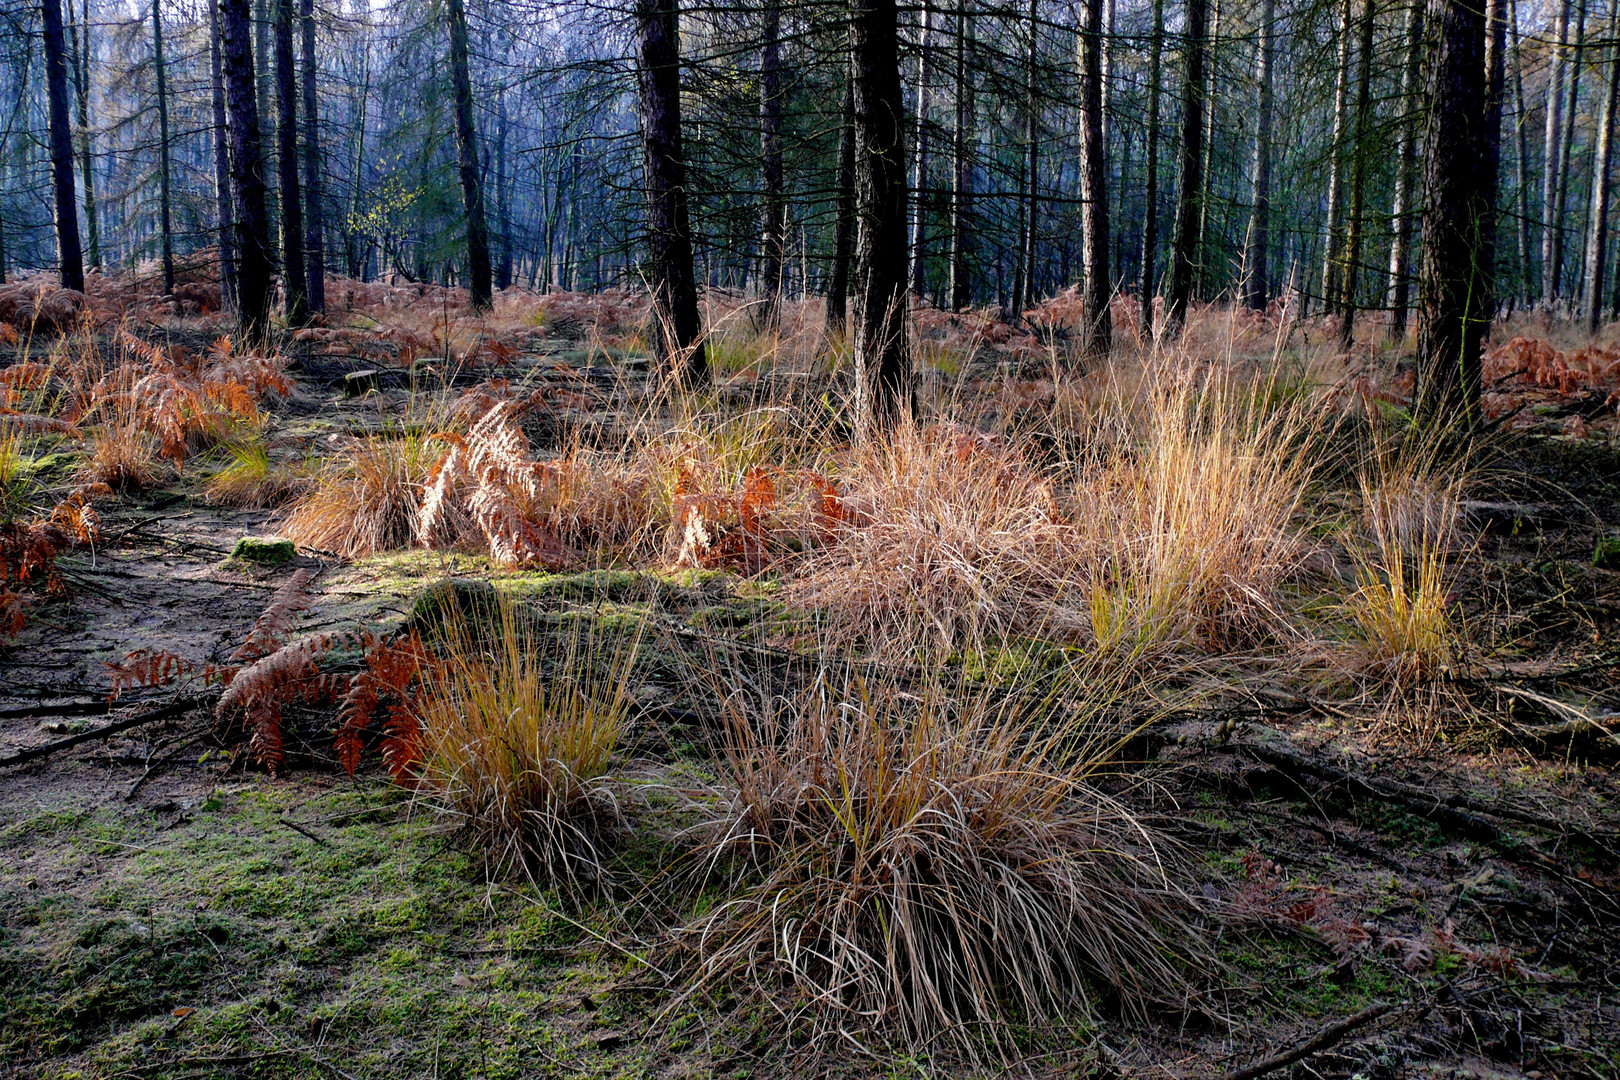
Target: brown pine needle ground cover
x: 1144, y: 720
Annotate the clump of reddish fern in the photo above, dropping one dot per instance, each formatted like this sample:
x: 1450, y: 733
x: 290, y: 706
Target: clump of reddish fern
x: 28, y: 551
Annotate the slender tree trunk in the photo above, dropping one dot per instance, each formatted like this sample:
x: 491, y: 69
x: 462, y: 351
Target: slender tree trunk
x: 1458, y: 221
x: 773, y: 208
x: 1358, y: 175
x: 503, y: 201
x: 165, y: 214
x: 1190, y: 186
x: 882, y: 355
x: 1522, y: 161
x: 1024, y: 288
x: 1567, y: 140
x: 1150, y: 211
x: 961, y: 166
x: 677, y: 329
x: 1211, y: 52
x: 1598, y: 242
x: 1553, y: 143
x: 87, y: 171
x: 919, y: 221
x: 264, y: 49
x: 314, y: 211
x: 1495, y: 93
x: 844, y: 219
x: 1258, y: 262
x: 1331, y: 232
x: 294, y: 273
x: 358, y: 256
x: 1094, y: 183
x: 1406, y: 167
x: 472, y: 190
x: 224, y: 208
x: 70, y: 257
x: 247, y: 172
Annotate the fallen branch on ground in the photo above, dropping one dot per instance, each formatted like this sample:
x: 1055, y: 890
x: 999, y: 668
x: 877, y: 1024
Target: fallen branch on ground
x: 106, y: 731
x: 1323, y: 1039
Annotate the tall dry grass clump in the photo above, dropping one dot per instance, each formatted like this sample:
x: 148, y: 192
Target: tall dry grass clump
x: 364, y: 499
x: 934, y: 861
x: 518, y: 737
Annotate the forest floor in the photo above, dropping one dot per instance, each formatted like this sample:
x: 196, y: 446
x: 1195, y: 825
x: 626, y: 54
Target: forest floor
x: 167, y: 910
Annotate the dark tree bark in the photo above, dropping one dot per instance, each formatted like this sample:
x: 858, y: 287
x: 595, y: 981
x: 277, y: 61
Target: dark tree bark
x: 294, y: 274
x: 314, y: 214
x: 223, y: 203
x: 503, y: 199
x: 1358, y: 177
x: 1406, y: 168
x: 1150, y: 210
x: 479, y: 272
x: 1527, y: 281
x: 844, y: 219
x: 1190, y: 187
x: 1029, y: 180
x: 773, y: 209
x: 961, y: 167
x: 1598, y: 242
x: 677, y: 329
x: 247, y: 172
x: 1333, y: 228
x: 882, y: 355
x: 165, y: 214
x: 1257, y: 291
x: 919, y: 187
x: 1458, y: 221
x: 1094, y: 183
x: 263, y: 50
x: 1565, y: 152
x: 1495, y: 87
x: 70, y: 257
x: 1552, y: 145
x: 81, y: 93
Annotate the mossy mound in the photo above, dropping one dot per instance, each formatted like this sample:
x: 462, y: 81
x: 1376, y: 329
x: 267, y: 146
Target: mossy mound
x: 265, y: 550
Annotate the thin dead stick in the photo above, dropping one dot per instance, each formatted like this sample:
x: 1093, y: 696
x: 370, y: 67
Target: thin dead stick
x: 106, y: 731
x: 154, y: 766
x: 1323, y: 1039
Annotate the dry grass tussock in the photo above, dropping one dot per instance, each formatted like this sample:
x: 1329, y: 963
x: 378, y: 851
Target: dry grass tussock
x: 366, y: 498
x: 934, y: 861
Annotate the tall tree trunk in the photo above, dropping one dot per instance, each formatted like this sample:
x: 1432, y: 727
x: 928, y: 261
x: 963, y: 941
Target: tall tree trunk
x: 1495, y: 94
x: 1211, y: 52
x: 1458, y: 221
x: 314, y: 213
x: 961, y: 165
x: 87, y: 171
x: 919, y: 187
x: 247, y: 173
x: 677, y: 329
x: 1190, y: 185
x: 1598, y: 242
x: 165, y: 215
x: 1552, y: 144
x: 1358, y: 175
x: 1406, y: 163
x: 882, y: 355
x: 1521, y: 160
x: 1150, y: 210
x: 1333, y: 228
x: 294, y: 274
x: 1024, y: 274
x: 844, y: 214
x: 224, y: 206
x: 472, y: 190
x: 357, y: 254
x: 1258, y: 260
x: 503, y: 199
x: 773, y: 208
x: 1567, y: 140
x: 264, y: 49
x: 70, y: 257
x: 1099, y: 328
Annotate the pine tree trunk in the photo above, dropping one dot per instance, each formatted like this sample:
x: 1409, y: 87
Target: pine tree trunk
x: 1258, y: 261
x: 961, y: 166
x: 1567, y: 140
x: 1495, y: 87
x: 1024, y: 257
x: 294, y: 274
x: 479, y: 285
x: 1406, y: 165
x: 70, y: 257
x: 503, y: 199
x: 1552, y: 144
x: 247, y: 172
x: 314, y: 213
x: 264, y: 49
x: 1099, y: 327
x: 882, y: 355
x: 773, y: 209
x: 1332, y: 230
x: 1598, y: 242
x: 844, y: 216
x: 165, y: 212
x: 356, y: 253
x: 223, y: 203
x: 1527, y: 282
x: 678, y: 331
x: 1458, y: 221
x: 87, y: 171
x: 1150, y: 211
x: 1190, y: 185
x: 1211, y: 51
x: 1358, y: 175
x: 919, y: 187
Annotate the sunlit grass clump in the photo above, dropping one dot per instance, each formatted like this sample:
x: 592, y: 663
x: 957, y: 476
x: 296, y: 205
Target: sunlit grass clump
x: 365, y: 498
